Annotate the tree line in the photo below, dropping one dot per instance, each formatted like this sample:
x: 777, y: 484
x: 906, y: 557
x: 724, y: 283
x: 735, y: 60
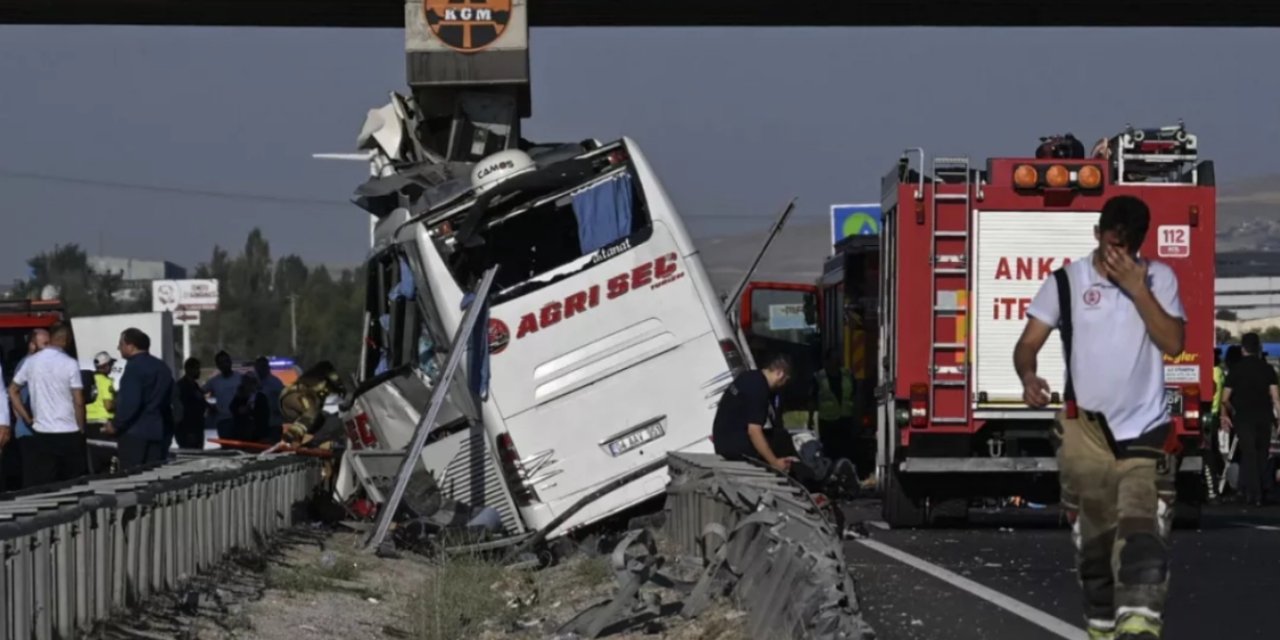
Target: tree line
x: 255, y: 293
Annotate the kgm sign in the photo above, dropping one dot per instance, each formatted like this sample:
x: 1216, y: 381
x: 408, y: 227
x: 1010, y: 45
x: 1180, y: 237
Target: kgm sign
x: 467, y: 25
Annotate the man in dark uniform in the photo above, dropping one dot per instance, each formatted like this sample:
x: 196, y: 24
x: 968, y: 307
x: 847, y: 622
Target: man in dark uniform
x: 190, y: 428
x: 739, y: 428
x: 1250, y: 400
x: 144, y: 407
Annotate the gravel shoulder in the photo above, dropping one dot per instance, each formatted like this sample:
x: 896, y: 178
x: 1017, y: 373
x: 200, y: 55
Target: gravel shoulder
x: 317, y: 584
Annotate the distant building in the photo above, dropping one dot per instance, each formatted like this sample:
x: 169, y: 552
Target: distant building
x: 137, y: 275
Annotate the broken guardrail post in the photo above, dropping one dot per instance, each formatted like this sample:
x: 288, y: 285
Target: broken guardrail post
x: 426, y: 423
x: 760, y: 534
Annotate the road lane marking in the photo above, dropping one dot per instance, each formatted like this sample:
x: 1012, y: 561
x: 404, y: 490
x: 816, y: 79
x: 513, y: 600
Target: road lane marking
x: 1261, y: 527
x: 879, y: 524
x: 1035, y: 616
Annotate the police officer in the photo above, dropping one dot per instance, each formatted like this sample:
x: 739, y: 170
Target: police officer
x: 1118, y: 314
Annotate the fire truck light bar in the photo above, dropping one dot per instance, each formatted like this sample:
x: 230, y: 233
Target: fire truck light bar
x: 1057, y: 176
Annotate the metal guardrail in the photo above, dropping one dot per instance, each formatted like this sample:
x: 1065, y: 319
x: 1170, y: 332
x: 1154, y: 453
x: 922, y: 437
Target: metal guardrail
x: 77, y: 555
x: 760, y: 535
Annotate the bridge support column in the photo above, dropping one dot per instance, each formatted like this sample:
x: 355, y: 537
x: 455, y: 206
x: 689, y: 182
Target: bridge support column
x: 467, y: 63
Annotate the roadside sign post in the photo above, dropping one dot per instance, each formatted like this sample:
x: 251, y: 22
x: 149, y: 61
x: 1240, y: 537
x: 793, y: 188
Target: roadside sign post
x: 185, y: 299
x: 848, y: 220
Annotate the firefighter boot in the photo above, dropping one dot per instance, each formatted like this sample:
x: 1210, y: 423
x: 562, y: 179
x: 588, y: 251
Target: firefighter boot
x: 1101, y: 630
x: 1138, y: 626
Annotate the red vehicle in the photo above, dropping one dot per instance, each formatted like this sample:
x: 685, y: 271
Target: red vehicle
x: 942, y: 295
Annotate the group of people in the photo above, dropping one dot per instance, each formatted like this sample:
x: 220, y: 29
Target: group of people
x: 1118, y: 314
x: 245, y: 407
x: 49, y: 405
x: 1246, y: 405
x: 67, y: 425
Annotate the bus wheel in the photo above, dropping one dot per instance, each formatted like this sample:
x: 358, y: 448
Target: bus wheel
x: 900, y: 509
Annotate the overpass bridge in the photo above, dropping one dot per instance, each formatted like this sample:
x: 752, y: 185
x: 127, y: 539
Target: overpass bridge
x: 655, y: 13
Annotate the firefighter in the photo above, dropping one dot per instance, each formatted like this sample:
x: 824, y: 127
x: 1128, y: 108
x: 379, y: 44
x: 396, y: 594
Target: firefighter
x: 1115, y: 438
x: 302, y: 407
x: 833, y: 390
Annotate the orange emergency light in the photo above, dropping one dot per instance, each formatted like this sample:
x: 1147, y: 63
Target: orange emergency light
x: 1025, y: 176
x: 1057, y: 177
x: 1089, y: 177
x: 1028, y: 177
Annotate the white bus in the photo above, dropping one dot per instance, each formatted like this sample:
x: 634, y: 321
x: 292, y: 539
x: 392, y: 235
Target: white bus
x: 607, y: 346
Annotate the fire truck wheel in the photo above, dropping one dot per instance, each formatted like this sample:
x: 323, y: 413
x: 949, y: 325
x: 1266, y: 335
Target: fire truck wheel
x: 1186, y: 515
x: 1191, y: 497
x: 948, y: 511
x: 900, y: 509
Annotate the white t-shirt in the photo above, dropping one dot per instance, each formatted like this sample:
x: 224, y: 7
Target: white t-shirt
x: 4, y: 403
x: 50, y: 375
x: 1115, y: 368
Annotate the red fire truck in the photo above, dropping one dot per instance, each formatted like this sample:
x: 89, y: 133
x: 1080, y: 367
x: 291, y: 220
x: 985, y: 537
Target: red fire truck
x: 940, y: 298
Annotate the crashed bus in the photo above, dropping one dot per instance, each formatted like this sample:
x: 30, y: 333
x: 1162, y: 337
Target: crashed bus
x: 605, y: 346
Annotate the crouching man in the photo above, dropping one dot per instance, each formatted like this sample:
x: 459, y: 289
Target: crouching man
x: 1117, y: 314
x: 739, y: 428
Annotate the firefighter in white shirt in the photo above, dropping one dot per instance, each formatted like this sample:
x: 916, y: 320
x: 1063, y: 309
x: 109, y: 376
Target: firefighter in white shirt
x: 1115, y: 454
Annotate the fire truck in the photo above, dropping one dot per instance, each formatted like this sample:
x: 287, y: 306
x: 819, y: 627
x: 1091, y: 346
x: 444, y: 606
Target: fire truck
x: 939, y: 299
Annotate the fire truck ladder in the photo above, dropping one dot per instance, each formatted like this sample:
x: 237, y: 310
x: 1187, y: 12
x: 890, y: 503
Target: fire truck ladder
x: 945, y: 173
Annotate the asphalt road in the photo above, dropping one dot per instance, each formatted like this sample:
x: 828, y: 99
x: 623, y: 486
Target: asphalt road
x: 1226, y: 580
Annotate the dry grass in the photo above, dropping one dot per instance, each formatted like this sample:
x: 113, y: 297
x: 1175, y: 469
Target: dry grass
x: 459, y: 596
x: 593, y: 571
x: 342, y: 574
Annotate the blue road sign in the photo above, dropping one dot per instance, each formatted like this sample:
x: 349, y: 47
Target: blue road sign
x: 849, y: 220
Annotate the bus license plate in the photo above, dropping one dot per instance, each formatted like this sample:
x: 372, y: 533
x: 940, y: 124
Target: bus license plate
x: 635, y: 439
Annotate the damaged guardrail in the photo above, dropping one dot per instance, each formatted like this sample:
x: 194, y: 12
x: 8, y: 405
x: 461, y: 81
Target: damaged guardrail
x: 77, y: 555
x: 764, y: 542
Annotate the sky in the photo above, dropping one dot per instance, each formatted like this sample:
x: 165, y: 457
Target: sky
x: 157, y: 142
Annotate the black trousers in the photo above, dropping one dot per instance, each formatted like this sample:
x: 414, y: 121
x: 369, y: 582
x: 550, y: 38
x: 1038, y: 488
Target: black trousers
x: 190, y: 435
x: 53, y: 457
x: 136, y: 452
x: 1255, y: 446
x: 836, y: 437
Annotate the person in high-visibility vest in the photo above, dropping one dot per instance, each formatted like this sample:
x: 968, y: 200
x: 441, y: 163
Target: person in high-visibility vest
x: 833, y: 388
x: 1214, y: 465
